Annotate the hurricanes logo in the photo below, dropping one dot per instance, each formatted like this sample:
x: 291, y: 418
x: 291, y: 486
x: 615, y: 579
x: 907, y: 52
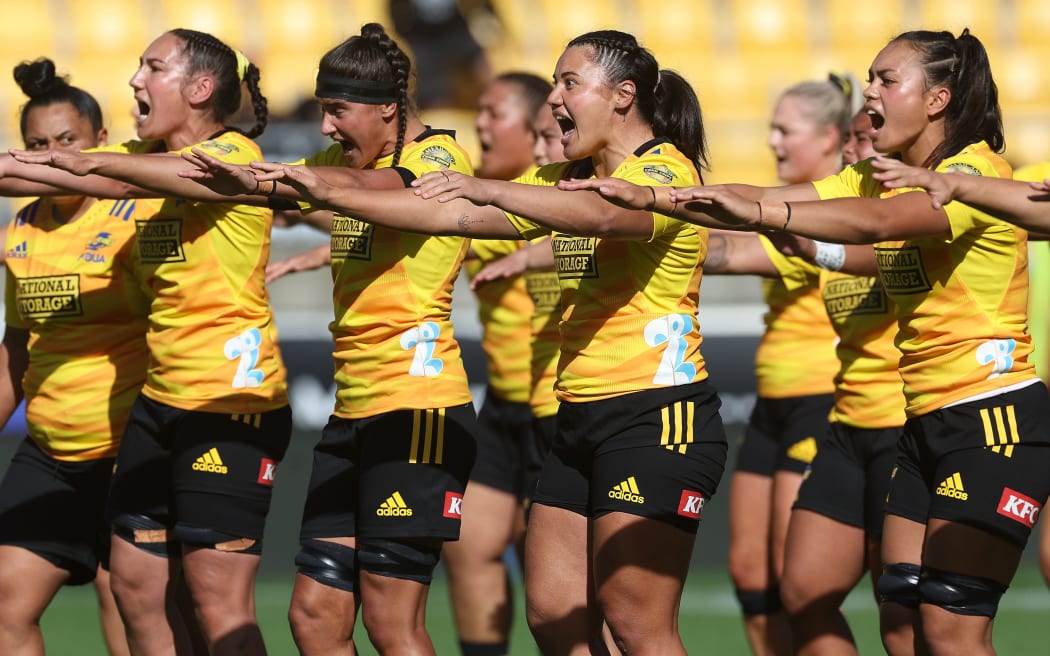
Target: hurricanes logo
x: 952, y: 487
x: 438, y: 155
x: 101, y: 240
x: 803, y: 450
x: 210, y: 462
x: 961, y: 167
x: 394, y: 506
x: 627, y: 491
x: 660, y: 173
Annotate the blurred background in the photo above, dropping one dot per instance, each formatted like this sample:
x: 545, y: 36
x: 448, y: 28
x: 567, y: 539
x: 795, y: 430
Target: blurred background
x: 738, y: 55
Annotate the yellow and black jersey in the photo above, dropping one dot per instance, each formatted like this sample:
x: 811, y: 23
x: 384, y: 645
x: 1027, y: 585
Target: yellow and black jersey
x: 212, y: 338
x: 394, y: 345
x: 960, y: 301
x: 868, y: 388
x: 72, y: 286
x: 629, y: 318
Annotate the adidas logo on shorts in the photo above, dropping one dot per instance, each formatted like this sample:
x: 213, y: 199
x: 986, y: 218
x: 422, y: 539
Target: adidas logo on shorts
x: 803, y: 450
x: 627, y: 491
x: 210, y: 462
x: 952, y: 487
x: 394, y: 506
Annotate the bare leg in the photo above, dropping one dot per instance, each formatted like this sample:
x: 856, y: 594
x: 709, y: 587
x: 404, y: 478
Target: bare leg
x: 140, y: 583
x: 28, y: 583
x: 222, y: 586
x: 559, y: 593
x: 900, y: 626
x: 109, y: 616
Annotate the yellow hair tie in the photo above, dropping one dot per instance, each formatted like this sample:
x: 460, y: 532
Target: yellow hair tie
x: 242, y: 64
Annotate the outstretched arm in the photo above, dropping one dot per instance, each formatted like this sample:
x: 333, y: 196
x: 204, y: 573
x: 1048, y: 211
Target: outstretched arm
x: 400, y: 209
x: 572, y: 212
x: 1015, y: 201
x: 315, y: 258
x: 730, y: 252
x: 856, y: 259
x: 537, y: 256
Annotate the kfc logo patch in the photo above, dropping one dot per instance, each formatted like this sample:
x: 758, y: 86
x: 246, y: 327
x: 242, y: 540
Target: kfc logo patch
x: 453, y: 505
x: 267, y: 471
x: 1018, y: 507
x: 691, y: 504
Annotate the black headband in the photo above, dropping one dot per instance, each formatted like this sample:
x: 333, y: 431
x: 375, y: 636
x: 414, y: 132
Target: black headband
x: 361, y: 91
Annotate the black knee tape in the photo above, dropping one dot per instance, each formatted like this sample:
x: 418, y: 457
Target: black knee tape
x: 208, y: 538
x: 328, y: 563
x: 759, y: 602
x: 139, y: 531
x: 899, y: 584
x: 961, y: 594
x: 399, y: 560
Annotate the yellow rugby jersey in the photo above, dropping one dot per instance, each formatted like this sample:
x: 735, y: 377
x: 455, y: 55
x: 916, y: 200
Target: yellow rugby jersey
x: 1038, y: 282
x: 629, y: 308
x: 545, y: 292
x: 394, y: 345
x: 71, y: 286
x: 212, y: 338
x: 961, y: 302
x: 796, y: 355
x: 868, y: 388
x: 505, y: 313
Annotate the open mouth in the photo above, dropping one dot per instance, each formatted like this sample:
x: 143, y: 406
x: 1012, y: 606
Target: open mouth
x: 141, y: 109
x: 877, y: 120
x: 567, y: 125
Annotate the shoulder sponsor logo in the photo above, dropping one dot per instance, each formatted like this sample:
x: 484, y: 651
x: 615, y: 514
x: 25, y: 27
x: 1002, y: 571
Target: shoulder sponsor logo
x: 453, y: 505
x: 394, y: 506
x: 962, y: 167
x: 267, y: 471
x: 659, y: 172
x: 210, y: 462
x: 1019, y: 507
x: 901, y: 270
x: 18, y: 251
x: 220, y: 148
x: 45, y: 297
x: 804, y: 450
x: 952, y: 487
x: 627, y: 491
x: 438, y: 155
x: 160, y: 240
x: 691, y: 504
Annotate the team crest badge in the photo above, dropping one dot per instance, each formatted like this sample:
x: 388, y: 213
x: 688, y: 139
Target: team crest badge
x: 660, y: 173
x: 439, y: 156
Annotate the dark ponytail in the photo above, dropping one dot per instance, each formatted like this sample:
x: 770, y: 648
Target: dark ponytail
x: 373, y: 57
x: 205, y: 53
x: 43, y: 87
x: 960, y: 65
x: 664, y: 99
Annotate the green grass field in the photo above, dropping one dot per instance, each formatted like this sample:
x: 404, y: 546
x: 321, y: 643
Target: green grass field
x: 709, y: 620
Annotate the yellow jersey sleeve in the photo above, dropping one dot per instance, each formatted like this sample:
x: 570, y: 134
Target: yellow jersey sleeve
x: 394, y: 343
x: 212, y: 337
x: 72, y: 286
x: 629, y: 318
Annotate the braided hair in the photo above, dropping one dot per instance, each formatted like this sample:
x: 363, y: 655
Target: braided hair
x: 205, y: 53
x: 39, y: 82
x: 961, y: 65
x: 665, y: 100
x: 375, y: 57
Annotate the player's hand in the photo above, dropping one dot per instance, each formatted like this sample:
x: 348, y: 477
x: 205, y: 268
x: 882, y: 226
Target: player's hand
x: 314, y: 258
x: 219, y: 176
x: 449, y: 185
x: 721, y: 203
x: 894, y: 174
x: 619, y: 192
x: 74, y: 162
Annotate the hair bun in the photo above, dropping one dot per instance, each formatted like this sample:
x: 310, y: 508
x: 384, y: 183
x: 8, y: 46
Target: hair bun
x: 38, y: 78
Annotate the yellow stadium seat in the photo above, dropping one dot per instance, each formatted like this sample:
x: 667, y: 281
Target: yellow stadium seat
x: 293, y: 39
x: 27, y: 31
x: 1032, y: 20
x: 677, y: 31
x: 771, y: 25
x: 981, y: 16
x: 857, y: 31
x: 122, y: 30
x: 222, y: 20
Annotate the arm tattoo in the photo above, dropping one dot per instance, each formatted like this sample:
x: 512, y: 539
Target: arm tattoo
x: 717, y: 254
x: 464, y: 222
